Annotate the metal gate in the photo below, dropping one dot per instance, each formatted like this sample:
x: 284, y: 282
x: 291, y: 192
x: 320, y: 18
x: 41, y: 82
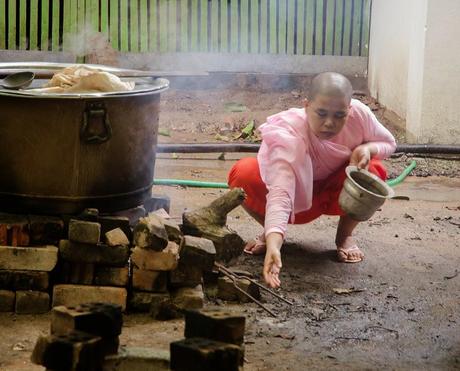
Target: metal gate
x: 304, y: 27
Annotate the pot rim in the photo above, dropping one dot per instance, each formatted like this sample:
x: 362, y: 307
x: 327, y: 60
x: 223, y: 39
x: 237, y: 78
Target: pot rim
x: 350, y: 169
x: 144, y: 85
x: 162, y: 86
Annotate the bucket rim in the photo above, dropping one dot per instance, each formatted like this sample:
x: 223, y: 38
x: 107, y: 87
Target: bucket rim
x: 351, y: 169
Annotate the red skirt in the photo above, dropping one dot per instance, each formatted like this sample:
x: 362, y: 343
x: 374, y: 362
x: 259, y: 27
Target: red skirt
x: 245, y: 174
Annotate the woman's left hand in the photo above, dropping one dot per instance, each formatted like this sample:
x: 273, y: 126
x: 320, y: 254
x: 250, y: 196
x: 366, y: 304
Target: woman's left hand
x: 361, y: 156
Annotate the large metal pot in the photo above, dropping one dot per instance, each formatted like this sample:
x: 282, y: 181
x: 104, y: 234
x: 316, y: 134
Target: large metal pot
x: 63, y: 153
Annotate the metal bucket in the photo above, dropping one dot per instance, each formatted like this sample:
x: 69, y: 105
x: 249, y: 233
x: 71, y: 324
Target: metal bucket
x: 61, y: 153
x: 363, y: 193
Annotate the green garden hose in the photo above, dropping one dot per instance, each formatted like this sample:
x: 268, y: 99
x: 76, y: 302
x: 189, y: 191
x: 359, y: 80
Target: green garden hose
x: 195, y: 183
x: 403, y: 175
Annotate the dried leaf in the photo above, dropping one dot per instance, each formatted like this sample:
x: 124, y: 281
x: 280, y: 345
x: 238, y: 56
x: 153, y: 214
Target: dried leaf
x: 222, y: 138
x: 343, y: 291
x: 164, y: 132
x: 235, y: 107
x: 19, y: 347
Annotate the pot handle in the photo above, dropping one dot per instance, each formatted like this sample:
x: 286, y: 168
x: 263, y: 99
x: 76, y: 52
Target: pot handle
x: 92, y: 112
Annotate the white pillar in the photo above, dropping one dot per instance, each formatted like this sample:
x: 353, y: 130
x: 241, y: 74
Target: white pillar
x: 414, y: 65
x: 415, y: 70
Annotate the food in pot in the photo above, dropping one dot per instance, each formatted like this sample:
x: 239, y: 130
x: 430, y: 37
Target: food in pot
x: 83, y: 79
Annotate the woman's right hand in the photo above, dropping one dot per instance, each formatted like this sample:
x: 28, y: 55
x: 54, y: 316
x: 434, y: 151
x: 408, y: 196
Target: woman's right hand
x: 272, y: 263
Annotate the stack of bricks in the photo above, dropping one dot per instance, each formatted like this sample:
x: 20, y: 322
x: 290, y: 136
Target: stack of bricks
x: 93, y: 262
x: 81, y: 337
x: 213, y: 341
x: 27, y: 256
x: 168, y: 267
x: 86, y: 338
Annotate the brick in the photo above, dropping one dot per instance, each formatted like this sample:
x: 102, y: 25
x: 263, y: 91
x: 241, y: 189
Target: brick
x: 110, y: 345
x: 23, y: 280
x: 147, y: 302
x: 189, y: 297
x: 15, y: 230
x: 109, y: 223
x: 138, y: 359
x: 150, y: 233
x: 111, y: 276
x: 100, y: 319
x: 97, y: 254
x: 76, y: 351
x: 157, y: 202
x: 227, y: 291
x: 199, y: 252
x: 74, y: 295
x: 157, y: 303
x: 45, y: 230
x: 3, y: 235
x: 81, y: 273
x: 165, y: 260
x: 63, y: 272
x: 7, y: 300
x: 151, y: 281
x: 215, y: 324
x: 32, y: 302
x: 185, y: 276
x: 173, y: 231
x: 181, y: 299
x: 28, y: 258
x: 116, y: 237
x: 133, y: 214
x: 84, y: 232
x: 198, y: 354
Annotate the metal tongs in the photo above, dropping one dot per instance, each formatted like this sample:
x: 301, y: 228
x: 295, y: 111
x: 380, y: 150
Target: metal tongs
x: 234, y: 277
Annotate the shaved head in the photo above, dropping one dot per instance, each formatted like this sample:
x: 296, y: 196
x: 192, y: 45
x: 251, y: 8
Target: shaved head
x: 330, y: 84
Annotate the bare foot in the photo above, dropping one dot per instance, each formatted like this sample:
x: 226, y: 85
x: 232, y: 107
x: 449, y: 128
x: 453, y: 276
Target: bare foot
x: 348, y: 251
x: 256, y: 246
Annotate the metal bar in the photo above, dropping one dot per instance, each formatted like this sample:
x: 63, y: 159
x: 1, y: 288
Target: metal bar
x: 254, y: 282
x: 206, y: 148
x: 244, y: 292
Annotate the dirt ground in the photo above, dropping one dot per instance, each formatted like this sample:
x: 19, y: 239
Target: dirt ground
x: 402, y: 312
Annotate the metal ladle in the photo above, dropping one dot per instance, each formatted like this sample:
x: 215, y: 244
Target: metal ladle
x: 18, y: 80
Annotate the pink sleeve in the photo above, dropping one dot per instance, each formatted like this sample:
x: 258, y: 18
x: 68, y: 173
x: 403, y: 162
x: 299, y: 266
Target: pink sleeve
x: 376, y: 133
x: 277, y: 211
x: 278, y: 176
x: 281, y: 151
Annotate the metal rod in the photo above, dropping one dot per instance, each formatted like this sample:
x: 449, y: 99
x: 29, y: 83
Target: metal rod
x: 253, y: 147
x: 233, y: 278
x: 207, y: 148
x: 255, y: 283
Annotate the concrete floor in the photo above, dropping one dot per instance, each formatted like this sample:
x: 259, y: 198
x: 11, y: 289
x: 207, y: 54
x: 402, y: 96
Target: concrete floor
x: 404, y: 315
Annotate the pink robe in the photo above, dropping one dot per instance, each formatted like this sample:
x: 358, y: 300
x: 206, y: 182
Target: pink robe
x: 291, y: 157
